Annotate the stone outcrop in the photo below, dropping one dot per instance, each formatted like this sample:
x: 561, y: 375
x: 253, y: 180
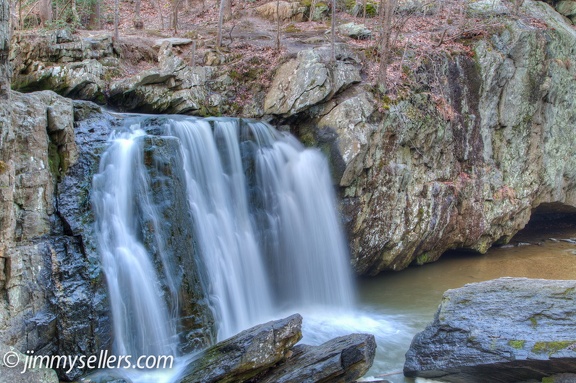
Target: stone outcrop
x: 462, y: 159
x: 265, y: 353
x: 67, y: 65
x: 54, y: 296
x: 310, y: 79
x: 286, y: 11
x: 172, y: 87
x: 505, y: 330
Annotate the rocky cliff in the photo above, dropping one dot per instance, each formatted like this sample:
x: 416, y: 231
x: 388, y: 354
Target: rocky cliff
x: 474, y: 141
x: 461, y: 160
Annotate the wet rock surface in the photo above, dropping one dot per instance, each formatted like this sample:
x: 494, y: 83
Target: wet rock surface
x: 505, y: 330
x: 266, y: 353
x: 171, y: 242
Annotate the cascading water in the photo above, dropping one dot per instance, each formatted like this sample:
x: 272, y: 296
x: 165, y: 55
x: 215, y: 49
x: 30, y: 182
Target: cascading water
x: 265, y: 224
x: 141, y: 319
x: 265, y: 221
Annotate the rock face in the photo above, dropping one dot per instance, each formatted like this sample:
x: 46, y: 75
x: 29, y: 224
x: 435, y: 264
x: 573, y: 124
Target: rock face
x: 286, y: 11
x: 172, y: 87
x: 265, y: 353
x: 14, y: 369
x: 172, y: 244
x: 69, y: 66
x: 505, y: 330
x: 54, y: 296
x: 310, y: 79
x: 459, y: 164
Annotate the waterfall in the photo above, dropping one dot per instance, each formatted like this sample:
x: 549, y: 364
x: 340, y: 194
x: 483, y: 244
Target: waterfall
x: 141, y: 319
x: 264, y: 219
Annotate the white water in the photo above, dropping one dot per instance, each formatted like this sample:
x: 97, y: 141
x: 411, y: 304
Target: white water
x: 141, y: 319
x: 266, y: 226
x: 270, y: 240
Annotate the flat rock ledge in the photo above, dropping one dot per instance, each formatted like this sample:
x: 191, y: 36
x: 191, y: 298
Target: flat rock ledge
x: 504, y: 330
x: 267, y: 353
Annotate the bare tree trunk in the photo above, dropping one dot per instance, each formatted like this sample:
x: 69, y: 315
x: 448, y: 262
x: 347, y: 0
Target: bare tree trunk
x: 386, y: 25
x: 220, y: 22
x: 45, y: 12
x: 227, y: 9
x: 364, y: 4
x: 333, y: 29
x: 137, y: 20
x: 175, y: 6
x: 278, y: 25
x: 517, y: 5
x: 116, y: 19
x: 94, y: 21
x: 312, y: 10
x: 159, y: 13
x: 75, y: 15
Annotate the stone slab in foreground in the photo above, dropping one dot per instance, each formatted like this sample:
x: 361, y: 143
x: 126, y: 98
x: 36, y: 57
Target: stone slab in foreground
x: 266, y: 354
x: 504, y: 330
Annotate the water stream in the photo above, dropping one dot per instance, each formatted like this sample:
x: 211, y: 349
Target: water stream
x: 408, y: 300
x: 266, y: 227
x: 265, y: 223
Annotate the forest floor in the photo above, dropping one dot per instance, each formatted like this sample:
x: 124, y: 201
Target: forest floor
x: 421, y: 29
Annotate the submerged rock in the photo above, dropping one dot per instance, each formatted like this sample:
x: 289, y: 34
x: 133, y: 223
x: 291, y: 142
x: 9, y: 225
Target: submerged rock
x: 505, y: 330
x: 265, y: 354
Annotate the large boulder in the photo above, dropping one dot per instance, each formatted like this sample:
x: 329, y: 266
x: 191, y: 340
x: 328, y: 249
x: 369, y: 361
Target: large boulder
x: 505, y: 330
x: 286, y: 10
x: 243, y: 356
x: 568, y: 9
x: 343, y: 359
x: 311, y: 79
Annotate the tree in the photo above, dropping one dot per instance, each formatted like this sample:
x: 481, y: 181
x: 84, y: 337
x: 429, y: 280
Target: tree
x: 333, y: 30
x: 45, y: 12
x: 116, y: 19
x: 137, y: 20
x: 95, y: 16
x: 227, y: 9
x: 386, y: 11
x: 174, y: 20
x: 220, y: 22
x: 277, y: 25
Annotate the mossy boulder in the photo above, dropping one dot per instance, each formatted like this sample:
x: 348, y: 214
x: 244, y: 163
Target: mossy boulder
x: 505, y: 330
